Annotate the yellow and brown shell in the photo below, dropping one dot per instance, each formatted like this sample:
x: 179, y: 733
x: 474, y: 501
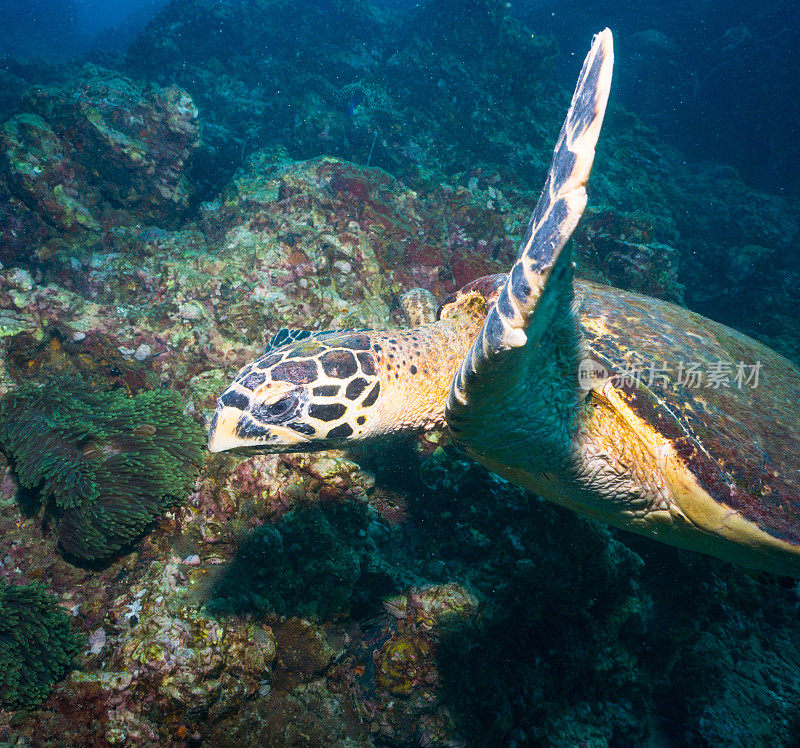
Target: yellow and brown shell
x: 728, y: 405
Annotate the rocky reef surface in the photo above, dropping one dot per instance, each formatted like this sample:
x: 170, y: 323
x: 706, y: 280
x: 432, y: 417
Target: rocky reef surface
x: 249, y: 167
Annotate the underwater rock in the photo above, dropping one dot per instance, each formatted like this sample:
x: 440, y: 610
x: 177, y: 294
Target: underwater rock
x: 562, y: 607
x: 191, y: 659
x: 268, y: 486
x: 367, y: 232
x: 407, y: 659
x: 165, y: 663
x: 282, y: 95
x: 433, y: 606
x: 12, y: 87
x: 392, y: 667
x: 384, y: 93
x: 20, y: 227
x: 310, y: 714
x: 56, y: 350
x: 619, y: 249
x: 739, y: 243
x: 354, y: 231
x: 43, y: 174
x: 186, y: 33
x: 427, y: 107
x: 470, y: 106
x: 97, y: 151
x: 403, y: 663
x: 135, y: 139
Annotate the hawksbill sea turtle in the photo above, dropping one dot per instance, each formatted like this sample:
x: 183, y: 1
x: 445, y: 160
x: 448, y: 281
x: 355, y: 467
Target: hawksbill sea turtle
x: 531, y: 373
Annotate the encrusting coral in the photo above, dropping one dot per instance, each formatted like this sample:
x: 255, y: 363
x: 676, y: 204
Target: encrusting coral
x: 105, y: 465
x: 37, y: 644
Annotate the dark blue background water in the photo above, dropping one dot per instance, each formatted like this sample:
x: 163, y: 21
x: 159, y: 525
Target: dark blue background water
x: 718, y: 78
x: 721, y: 78
x: 59, y: 29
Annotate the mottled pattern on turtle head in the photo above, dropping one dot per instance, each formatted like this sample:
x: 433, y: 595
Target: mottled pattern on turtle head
x: 319, y: 389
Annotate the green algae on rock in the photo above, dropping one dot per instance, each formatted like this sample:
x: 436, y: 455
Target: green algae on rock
x: 104, y: 465
x: 37, y: 644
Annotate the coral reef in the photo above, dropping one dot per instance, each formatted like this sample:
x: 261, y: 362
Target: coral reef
x: 555, y: 651
x: 391, y: 595
x: 91, y: 153
x: 417, y: 109
x: 105, y: 465
x: 38, y: 646
x: 388, y: 93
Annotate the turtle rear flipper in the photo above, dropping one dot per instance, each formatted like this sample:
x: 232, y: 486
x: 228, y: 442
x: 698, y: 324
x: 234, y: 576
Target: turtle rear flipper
x: 525, y: 358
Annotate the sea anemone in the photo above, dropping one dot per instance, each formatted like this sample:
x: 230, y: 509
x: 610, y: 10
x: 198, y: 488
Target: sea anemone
x: 104, y: 465
x: 37, y: 644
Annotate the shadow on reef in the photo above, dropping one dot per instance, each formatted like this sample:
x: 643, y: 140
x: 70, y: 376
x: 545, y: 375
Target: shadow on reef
x: 585, y: 638
x: 553, y: 654
x: 315, y: 561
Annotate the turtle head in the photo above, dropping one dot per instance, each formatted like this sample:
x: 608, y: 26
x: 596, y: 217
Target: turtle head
x: 318, y: 393
x: 313, y: 390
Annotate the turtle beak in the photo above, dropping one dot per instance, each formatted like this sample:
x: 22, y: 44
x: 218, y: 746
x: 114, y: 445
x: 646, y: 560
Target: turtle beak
x: 233, y: 429
x: 222, y: 433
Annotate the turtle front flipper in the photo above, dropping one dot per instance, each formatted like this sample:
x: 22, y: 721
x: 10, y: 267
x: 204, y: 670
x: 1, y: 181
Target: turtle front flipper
x: 524, y: 361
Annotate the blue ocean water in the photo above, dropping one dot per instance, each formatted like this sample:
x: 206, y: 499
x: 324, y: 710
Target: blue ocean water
x: 182, y: 179
x: 717, y: 78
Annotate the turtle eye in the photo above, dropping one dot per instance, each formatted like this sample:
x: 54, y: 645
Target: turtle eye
x: 276, y: 410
